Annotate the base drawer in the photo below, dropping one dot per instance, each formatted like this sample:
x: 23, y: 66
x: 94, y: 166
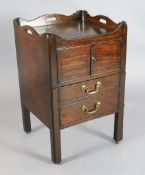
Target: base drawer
x: 90, y: 108
x: 91, y: 88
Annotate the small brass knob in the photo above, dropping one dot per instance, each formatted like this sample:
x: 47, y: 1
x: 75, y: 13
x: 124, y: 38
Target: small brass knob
x: 99, y: 83
x: 93, y: 59
x: 83, y: 87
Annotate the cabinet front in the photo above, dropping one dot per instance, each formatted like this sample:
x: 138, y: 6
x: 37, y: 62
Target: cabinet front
x: 88, y: 60
x: 73, y: 63
x: 88, y: 88
x: 93, y: 107
x: 105, y: 56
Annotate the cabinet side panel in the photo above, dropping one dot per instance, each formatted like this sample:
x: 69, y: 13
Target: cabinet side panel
x: 34, y: 76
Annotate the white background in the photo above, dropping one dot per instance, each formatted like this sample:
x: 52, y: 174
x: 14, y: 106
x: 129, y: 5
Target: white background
x: 87, y: 148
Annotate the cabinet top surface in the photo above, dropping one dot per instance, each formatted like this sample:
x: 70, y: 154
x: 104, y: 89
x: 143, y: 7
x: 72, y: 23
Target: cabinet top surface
x: 73, y: 29
x: 78, y: 25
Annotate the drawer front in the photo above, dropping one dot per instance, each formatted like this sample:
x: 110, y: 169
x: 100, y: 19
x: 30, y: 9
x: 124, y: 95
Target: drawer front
x: 89, y: 88
x: 105, y: 57
x: 73, y: 63
x: 89, y: 109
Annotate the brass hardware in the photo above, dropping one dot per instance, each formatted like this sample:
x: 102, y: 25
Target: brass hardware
x: 93, y: 59
x: 97, y: 86
x: 96, y: 108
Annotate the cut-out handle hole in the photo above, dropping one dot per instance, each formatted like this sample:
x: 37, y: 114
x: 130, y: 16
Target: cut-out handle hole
x: 103, y: 21
x: 50, y: 19
x: 29, y: 32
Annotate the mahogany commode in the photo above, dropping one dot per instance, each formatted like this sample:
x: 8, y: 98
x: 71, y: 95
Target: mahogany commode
x: 71, y: 70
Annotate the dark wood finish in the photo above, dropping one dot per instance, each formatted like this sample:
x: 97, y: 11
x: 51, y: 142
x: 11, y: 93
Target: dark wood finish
x: 74, y: 91
x: 26, y: 119
x: 109, y: 105
x: 74, y: 30
x: 87, y: 78
x: 55, y: 121
x: 34, y: 76
x: 55, y: 129
x: 118, y: 124
x: 54, y: 56
x: 102, y: 21
x: 107, y: 55
x: 73, y: 62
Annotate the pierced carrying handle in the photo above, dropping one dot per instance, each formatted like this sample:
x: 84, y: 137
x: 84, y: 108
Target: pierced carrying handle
x: 97, y: 86
x: 87, y: 111
x: 104, y: 21
x: 29, y: 31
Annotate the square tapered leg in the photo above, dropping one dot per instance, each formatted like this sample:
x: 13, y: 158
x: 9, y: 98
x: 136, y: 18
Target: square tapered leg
x: 55, y: 146
x: 118, y: 127
x: 26, y: 119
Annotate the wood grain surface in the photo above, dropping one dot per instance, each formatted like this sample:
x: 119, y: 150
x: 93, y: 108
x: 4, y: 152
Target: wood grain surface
x: 54, y: 56
x: 74, y: 91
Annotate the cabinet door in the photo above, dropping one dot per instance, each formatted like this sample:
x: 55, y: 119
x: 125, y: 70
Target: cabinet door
x: 73, y: 63
x: 105, y: 56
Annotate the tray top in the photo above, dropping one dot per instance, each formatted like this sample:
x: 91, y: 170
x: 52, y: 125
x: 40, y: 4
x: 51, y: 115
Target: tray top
x: 73, y: 29
x: 77, y: 25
